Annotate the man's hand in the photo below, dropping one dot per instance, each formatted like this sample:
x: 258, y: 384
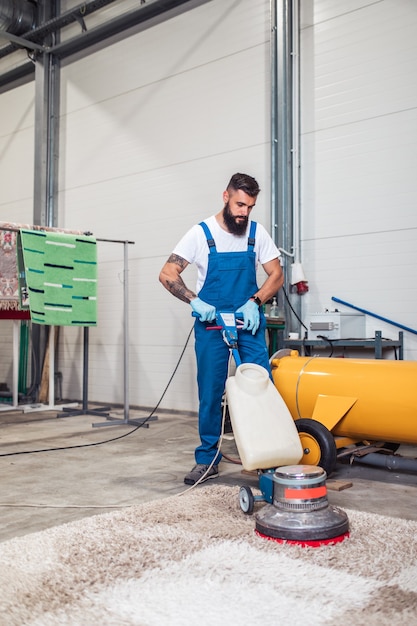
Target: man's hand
x: 251, y: 318
x: 205, y: 311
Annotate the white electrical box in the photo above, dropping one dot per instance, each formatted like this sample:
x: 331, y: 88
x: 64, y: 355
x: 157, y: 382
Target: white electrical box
x: 336, y: 325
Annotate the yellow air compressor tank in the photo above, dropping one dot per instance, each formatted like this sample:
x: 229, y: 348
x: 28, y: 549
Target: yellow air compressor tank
x: 362, y: 399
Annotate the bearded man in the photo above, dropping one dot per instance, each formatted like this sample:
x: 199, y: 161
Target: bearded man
x: 226, y: 248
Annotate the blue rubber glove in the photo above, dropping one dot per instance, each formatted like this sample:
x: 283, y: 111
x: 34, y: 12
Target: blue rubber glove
x: 251, y: 318
x: 206, y: 312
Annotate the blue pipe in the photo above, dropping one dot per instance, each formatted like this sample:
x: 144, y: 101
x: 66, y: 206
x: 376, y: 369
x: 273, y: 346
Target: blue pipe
x: 379, y: 317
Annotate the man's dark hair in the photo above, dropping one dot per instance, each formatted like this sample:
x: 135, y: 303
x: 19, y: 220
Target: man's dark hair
x: 244, y: 182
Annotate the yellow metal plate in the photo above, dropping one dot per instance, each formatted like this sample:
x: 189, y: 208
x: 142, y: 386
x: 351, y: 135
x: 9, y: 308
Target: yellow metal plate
x: 329, y: 410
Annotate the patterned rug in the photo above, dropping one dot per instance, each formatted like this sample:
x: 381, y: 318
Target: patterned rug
x: 195, y: 559
x: 9, y: 284
x: 10, y: 305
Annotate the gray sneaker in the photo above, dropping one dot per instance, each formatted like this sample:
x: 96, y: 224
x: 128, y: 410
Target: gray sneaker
x: 200, y: 471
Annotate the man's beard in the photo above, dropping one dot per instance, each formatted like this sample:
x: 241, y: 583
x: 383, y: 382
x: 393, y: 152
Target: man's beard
x: 234, y: 225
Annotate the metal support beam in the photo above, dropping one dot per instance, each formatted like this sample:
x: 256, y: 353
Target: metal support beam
x: 281, y: 138
x: 20, y: 42
x: 46, y: 140
x: 281, y: 124
x: 16, y: 77
x: 46, y: 149
x: 47, y: 97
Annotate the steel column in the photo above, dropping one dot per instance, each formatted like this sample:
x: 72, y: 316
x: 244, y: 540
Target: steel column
x: 283, y: 142
x: 47, y: 98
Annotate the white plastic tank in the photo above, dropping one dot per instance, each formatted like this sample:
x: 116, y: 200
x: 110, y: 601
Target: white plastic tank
x: 264, y: 430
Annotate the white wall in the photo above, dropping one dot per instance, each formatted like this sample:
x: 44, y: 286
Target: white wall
x: 16, y: 185
x: 152, y: 130
x: 359, y: 192
x: 153, y: 127
x: 16, y: 154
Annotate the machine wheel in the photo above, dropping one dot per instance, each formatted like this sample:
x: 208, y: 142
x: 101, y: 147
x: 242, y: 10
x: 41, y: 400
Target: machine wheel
x: 318, y: 444
x: 246, y: 499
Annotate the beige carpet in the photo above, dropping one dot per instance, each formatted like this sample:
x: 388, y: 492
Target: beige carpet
x: 195, y: 560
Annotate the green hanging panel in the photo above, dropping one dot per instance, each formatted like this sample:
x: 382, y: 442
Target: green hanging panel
x: 60, y: 275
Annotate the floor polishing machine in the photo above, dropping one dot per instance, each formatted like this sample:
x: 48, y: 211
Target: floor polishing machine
x: 297, y: 509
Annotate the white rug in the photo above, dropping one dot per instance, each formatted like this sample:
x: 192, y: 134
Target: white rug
x: 195, y: 560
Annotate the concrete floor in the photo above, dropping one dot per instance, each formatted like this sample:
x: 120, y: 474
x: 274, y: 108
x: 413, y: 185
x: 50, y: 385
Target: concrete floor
x: 58, y: 469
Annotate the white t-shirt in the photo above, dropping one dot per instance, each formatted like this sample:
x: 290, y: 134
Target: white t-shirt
x: 194, y: 249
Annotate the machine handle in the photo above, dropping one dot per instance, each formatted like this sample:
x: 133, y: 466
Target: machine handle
x: 238, y: 317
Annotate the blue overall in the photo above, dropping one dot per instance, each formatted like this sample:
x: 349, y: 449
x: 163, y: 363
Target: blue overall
x: 230, y: 282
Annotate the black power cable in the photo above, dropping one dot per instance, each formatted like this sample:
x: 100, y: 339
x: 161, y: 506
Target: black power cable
x: 329, y: 341
x: 293, y: 310
x: 99, y: 443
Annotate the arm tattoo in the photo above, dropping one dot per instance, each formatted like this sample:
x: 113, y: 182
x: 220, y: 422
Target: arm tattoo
x: 177, y: 287
x: 178, y: 260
